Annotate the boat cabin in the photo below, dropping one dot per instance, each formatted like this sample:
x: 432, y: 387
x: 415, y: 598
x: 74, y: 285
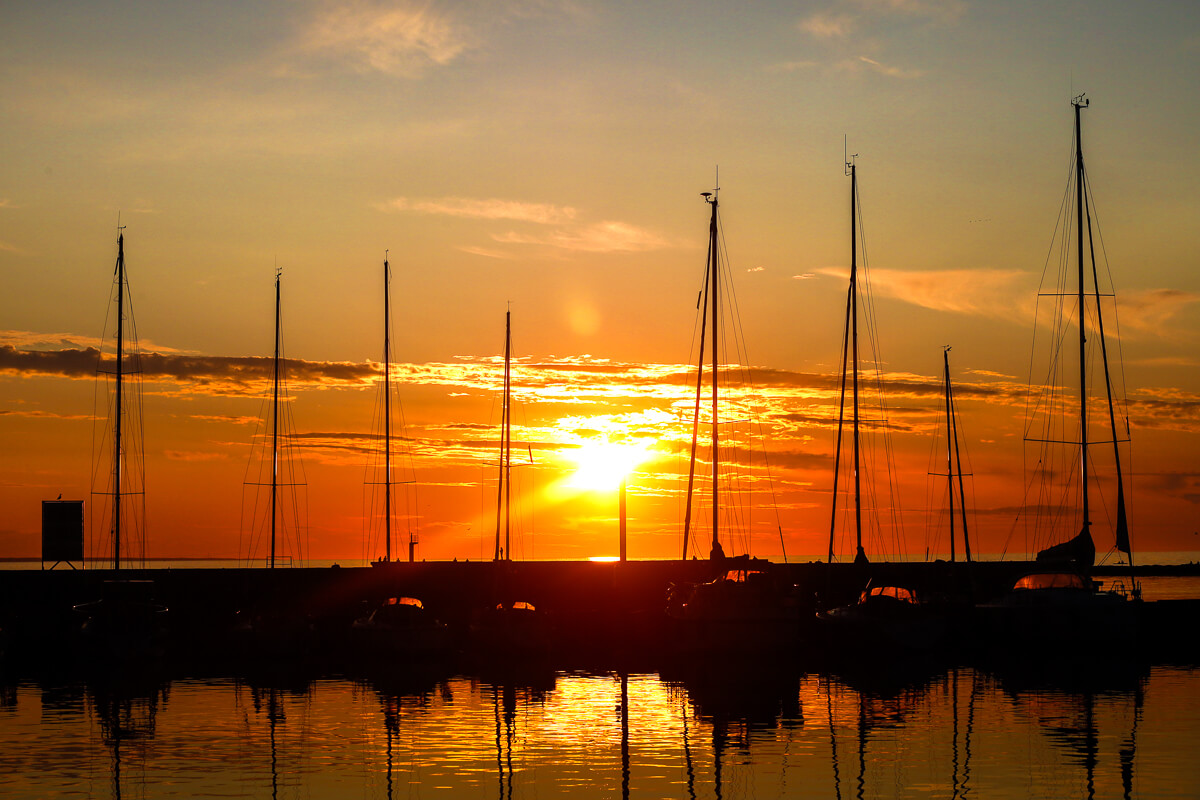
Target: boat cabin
x: 1052, y: 580
x: 745, y: 576
x: 895, y: 593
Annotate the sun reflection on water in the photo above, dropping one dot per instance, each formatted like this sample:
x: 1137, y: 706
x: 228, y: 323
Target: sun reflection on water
x: 704, y: 732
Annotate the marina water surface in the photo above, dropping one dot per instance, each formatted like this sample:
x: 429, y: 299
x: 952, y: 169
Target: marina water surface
x: 1074, y: 731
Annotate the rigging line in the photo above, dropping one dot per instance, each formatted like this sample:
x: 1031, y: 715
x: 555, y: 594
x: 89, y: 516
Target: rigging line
x: 1094, y: 214
x: 882, y: 429
x: 738, y: 514
x: 1062, y: 224
x: 702, y: 315
x: 838, y: 444
x: 869, y: 317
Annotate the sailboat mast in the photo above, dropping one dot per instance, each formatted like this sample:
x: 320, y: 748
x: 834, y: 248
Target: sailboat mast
x: 508, y: 436
x: 702, y: 306
x: 502, y: 495
x: 1122, y: 530
x: 275, y: 424
x: 837, y: 450
x: 859, y: 555
x: 1079, y: 103
x: 949, y: 446
x: 117, y: 444
x: 387, y: 414
x: 716, y: 461
x: 962, y: 495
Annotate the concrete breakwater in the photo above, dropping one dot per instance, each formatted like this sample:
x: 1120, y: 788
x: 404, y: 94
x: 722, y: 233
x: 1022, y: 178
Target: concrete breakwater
x: 595, y: 606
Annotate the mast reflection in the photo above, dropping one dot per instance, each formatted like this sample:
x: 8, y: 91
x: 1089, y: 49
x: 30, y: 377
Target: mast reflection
x: 1063, y: 695
x: 126, y: 708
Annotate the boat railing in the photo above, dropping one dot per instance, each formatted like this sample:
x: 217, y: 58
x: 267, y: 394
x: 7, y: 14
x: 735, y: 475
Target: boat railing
x: 1130, y: 591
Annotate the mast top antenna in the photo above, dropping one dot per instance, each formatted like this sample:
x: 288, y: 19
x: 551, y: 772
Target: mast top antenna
x: 711, y: 197
x: 847, y: 156
x: 1081, y: 101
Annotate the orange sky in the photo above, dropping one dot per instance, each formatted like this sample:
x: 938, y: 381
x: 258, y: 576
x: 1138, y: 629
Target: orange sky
x: 548, y: 158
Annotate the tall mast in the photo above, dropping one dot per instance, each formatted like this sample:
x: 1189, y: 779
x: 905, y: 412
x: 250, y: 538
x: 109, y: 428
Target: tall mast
x: 1079, y: 103
x: 860, y: 556
x: 275, y: 423
x: 702, y: 306
x: 117, y: 443
x: 508, y: 436
x: 387, y: 415
x: 503, y: 512
x: 714, y: 268
x: 962, y: 495
x: 837, y: 450
x: 1122, y: 531
x: 950, y: 443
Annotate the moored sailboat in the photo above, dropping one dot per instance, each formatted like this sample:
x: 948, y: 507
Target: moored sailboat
x: 126, y: 622
x: 857, y: 305
x: 912, y: 618
x: 1061, y: 601
x: 510, y: 627
x: 1080, y: 549
x: 389, y: 483
x: 123, y: 503
x: 747, y: 604
x: 282, y: 526
x: 265, y: 627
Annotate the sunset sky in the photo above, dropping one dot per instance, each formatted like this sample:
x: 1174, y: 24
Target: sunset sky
x: 546, y: 158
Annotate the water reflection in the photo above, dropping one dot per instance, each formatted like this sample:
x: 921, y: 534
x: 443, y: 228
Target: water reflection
x: 126, y: 707
x: 1068, y: 701
x: 701, y: 732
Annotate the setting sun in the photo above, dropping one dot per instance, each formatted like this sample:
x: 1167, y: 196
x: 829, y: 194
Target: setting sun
x: 600, y: 465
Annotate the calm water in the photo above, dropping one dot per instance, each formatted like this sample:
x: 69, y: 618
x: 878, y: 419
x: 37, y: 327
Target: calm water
x: 722, y: 733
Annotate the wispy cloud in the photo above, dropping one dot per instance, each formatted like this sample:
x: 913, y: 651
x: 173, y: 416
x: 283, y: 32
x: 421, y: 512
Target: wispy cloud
x: 398, y: 39
x: 943, y: 11
x: 219, y: 375
x: 39, y: 414
x: 34, y: 340
x: 888, y: 70
x: 989, y: 292
x: 485, y: 252
x: 6, y: 203
x: 845, y: 17
x: 856, y: 31
x: 195, y: 455
x: 235, y: 420
x: 792, y: 66
x: 1153, y: 310
x: 829, y: 25
x: 607, y: 236
x: 483, y: 208
x: 600, y: 237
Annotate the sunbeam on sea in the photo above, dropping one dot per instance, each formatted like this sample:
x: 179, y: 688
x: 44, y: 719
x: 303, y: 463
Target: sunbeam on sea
x: 705, y: 731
